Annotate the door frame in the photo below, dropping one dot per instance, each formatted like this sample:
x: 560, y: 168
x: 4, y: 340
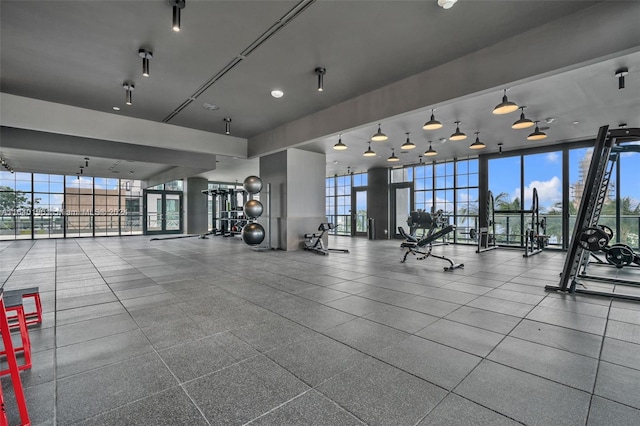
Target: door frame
x: 163, y: 227
x: 354, y: 211
x: 392, y: 219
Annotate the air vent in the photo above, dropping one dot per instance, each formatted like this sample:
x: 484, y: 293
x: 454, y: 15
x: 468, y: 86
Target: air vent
x: 210, y: 107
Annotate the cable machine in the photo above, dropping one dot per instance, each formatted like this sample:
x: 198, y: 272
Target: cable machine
x: 587, y: 236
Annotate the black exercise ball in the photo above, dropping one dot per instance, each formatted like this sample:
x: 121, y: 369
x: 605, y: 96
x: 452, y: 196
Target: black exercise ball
x: 253, y: 234
x: 252, y: 184
x: 253, y: 209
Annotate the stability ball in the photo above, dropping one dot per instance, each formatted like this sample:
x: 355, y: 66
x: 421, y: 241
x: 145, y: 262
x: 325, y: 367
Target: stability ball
x: 253, y: 209
x: 253, y: 234
x: 252, y: 184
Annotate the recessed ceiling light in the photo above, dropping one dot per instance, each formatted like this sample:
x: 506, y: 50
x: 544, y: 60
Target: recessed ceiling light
x: 277, y: 93
x: 210, y: 107
x: 115, y: 108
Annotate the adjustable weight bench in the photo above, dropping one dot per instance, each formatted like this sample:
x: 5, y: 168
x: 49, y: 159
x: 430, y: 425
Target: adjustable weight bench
x: 424, y: 246
x: 313, y: 242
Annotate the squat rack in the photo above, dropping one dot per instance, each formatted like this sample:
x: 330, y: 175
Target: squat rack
x: 603, y: 162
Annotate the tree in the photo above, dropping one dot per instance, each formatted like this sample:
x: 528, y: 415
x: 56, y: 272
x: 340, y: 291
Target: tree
x: 11, y: 200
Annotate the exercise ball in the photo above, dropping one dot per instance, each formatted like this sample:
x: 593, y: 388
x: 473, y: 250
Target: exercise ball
x: 252, y: 184
x: 253, y: 209
x: 253, y: 234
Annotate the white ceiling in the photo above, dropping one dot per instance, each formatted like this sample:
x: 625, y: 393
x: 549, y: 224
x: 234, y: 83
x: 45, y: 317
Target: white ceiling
x: 233, y: 53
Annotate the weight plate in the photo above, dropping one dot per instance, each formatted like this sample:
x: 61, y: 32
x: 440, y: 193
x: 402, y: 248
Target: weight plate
x: 620, y: 255
x: 593, y: 239
x: 607, y: 231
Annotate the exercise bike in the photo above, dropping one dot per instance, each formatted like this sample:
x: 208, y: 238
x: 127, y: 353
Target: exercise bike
x: 314, y: 242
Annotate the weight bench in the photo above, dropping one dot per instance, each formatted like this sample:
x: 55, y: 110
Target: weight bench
x: 313, y: 242
x: 424, y: 246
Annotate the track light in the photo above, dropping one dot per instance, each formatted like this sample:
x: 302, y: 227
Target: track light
x: 320, y: 72
x: 177, y: 5
x: 81, y: 170
x: 446, y: 4
x: 432, y: 124
x: 523, y: 122
x: 477, y: 144
x: 369, y: 152
x: 6, y: 165
x: 430, y: 152
x: 340, y: 146
x: 145, y: 55
x: 458, y: 135
x: 227, y: 125
x: 537, y: 134
x: 393, y: 158
x: 620, y: 74
x: 500, y: 148
x: 86, y: 161
x: 506, y: 106
x: 128, y: 87
x: 419, y: 159
x: 379, y: 136
x: 408, y: 144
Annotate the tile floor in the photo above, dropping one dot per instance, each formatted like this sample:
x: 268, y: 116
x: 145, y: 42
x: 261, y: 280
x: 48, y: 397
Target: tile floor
x: 211, y: 332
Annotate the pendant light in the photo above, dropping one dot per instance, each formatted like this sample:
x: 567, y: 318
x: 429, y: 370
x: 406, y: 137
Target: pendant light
x: 340, y: 146
x: 477, y: 144
x: 320, y: 72
x: 506, y: 106
x: 537, y: 134
x: 523, y: 122
x: 393, y: 158
x: 177, y: 5
x: 369, y: 152
x: 408, y: 144
x: 458, y: 135
x: 227, y: 125
x: 128, y: 87
x: 379, y: 136
x: 432, y: 124
x: 145, y: 55
x: 430, y: 152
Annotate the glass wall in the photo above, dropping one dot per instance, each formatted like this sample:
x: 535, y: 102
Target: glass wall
x: 628, y: 197
x: 466, y: 200
x: 56, y: 206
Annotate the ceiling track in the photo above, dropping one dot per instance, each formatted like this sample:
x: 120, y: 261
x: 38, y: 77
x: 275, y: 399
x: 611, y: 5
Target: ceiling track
x: 277, y: 26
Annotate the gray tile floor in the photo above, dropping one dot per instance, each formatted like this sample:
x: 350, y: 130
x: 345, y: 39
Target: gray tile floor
x: 210, y: 332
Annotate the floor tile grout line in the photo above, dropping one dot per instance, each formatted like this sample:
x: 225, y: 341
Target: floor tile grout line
x: 595, y: 381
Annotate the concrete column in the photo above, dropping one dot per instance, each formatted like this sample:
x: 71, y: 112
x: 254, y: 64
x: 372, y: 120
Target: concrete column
x: 378, y: 201
x: 297, y: 198
x: 195, y: 206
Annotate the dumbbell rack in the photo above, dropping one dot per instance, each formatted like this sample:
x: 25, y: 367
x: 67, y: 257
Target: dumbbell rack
x: 596, y: 185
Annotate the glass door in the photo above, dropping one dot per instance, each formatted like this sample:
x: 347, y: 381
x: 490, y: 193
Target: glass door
x: 163, y: 212
x: 359, y: 213
x: 401, y: 202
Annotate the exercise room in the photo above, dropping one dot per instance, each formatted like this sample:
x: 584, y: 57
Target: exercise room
x: 314, y: 212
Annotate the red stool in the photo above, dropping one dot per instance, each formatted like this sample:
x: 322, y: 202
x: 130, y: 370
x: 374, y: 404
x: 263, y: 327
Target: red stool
x: 16, y: 381
x: 31, y: 317
x: 15, y: 309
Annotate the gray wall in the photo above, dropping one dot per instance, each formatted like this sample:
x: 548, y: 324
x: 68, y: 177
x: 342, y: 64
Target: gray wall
x: 297, y: 196
x: 195, y: 206
x: 378, y: 201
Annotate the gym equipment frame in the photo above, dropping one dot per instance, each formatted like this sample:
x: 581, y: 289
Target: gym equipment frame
x: 585, y: 234
x: 424, y: 246
x: 313, y: 242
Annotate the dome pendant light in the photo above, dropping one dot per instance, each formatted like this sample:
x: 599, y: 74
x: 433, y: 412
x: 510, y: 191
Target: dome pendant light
x: 506, y: 106
x: 458, y: 135
x: 430, y: 152
x: 393, y: 158
x: 432, y: 124
x: 369, y: 152
x: 340, y: 146
x: 379, y: 136
x: 477, y: 144
x: 523, y: 123
x: 408, y: 144
x: 537, y: 134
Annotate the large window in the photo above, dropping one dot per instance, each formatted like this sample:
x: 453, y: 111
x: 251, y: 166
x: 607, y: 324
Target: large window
x: 467, y: 208
x: 54, y: 206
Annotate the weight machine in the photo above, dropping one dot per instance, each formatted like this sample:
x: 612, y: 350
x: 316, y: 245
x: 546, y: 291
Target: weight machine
x: 486, y: 239
x: 314, y: 242
x: 587, y: 235
x: 424, y: 246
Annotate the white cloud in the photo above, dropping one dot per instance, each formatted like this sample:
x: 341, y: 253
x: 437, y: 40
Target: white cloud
x: 549, y: 192
x: 553, y: 157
